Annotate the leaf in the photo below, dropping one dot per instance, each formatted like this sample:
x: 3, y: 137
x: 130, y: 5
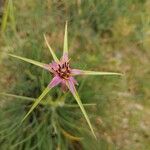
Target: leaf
x: 31, y: 134
x: 8, y: 15
x: 77, y: 98
x: 74, y: 105
x: 71, y: 137
x: 12, y: 16
x: 65, y: 51
x: 37, y: 101
x: 5, y: 15
x: 51, y: 51
x: 17, y: 96
x: 22, y: 97
x: 29, y: 60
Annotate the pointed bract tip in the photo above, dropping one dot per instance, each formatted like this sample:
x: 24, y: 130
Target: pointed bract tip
x: 65, y: 47
x: 66, y: 25
x: 50, y: 49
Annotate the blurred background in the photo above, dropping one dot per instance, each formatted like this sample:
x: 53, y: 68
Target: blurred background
x: 112, y: 35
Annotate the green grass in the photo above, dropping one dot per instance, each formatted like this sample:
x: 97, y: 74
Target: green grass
x: 103, y: 35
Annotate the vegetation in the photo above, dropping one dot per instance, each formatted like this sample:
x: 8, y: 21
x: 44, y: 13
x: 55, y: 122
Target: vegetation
x: 103, y: 35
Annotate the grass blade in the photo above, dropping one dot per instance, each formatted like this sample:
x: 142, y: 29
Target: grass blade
x: 75, y: 105
x: 71, y: 137
x: 5, y: 15
x: 24, y: 98
x: 18, y: 96
x: 12, y: 16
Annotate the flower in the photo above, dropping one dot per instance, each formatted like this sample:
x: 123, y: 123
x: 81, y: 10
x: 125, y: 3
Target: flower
x: 63, y: 74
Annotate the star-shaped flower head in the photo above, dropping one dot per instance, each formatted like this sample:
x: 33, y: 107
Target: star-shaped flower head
x: 62, y: 74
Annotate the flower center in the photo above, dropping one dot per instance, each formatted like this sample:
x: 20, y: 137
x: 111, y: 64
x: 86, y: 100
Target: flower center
x: 64, y: 70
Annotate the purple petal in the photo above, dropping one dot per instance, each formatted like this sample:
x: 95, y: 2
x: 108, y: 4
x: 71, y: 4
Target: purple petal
x: 47, y: 67
x: 54, y: 65
x: 72, y: 79
x: 64, y: 58
x: 76, y: 72
x: 63, y: 86
x: 51, y: 67
x: 64, y: 83
x: 55, y: 81
x: 71, y: 86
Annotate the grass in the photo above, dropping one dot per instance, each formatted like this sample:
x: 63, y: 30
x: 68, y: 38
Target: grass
x: 103, y: 35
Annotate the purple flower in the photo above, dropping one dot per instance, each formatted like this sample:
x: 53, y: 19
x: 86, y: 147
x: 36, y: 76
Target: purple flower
x: 62, y: 72
x: 64, y: 75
